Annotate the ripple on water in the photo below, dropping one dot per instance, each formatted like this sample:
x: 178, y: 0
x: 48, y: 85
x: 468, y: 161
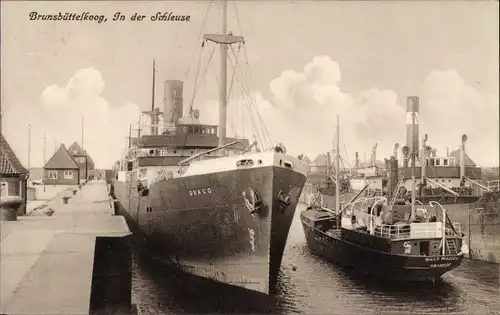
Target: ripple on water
x: 310, y: 285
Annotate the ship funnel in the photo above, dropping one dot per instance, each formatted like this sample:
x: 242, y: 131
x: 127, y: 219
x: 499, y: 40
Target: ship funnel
x: 406, y: 152
x: 423, y: 163
x: 395, y: 153
x: 172, y: 101
x: 462, y: 156
x: 412, y: 117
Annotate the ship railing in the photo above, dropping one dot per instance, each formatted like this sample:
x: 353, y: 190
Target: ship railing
x: 412, y: 230
x: 392, y: 231
x: 493, y: 185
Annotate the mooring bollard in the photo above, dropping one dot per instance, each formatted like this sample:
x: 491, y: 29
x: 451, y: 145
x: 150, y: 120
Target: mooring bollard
x: 8, y: 208
x: 74, y: 192
x: 65, y: 199
x: 49, y: 212
x: 8, y: 214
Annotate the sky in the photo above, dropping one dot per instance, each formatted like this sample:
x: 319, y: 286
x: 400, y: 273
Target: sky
x: 308, y: 61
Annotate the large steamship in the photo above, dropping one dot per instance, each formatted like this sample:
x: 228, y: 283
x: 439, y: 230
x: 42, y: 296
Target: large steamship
x: 216, y: 207
x: 452, y: 180
x: 377, y: 236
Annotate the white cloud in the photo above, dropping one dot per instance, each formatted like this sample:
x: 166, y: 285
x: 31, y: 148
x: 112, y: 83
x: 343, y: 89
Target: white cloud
x: 303, y: 113
x: 60, y: 116
x: 450, y: 107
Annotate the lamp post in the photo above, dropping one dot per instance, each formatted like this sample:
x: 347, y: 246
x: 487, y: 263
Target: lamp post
x: 443, y: 237
x: 29, y: 146
x: 44, y: 155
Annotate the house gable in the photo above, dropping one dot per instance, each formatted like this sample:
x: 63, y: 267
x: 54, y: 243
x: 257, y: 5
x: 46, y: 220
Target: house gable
x: 76, y: 150
x: 10, y: 166
x: 61, y: 160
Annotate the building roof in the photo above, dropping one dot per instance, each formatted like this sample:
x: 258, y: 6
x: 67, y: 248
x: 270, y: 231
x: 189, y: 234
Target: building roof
x: 61, y: 160
x: 9, y: 163
x: 456, y: 155
x: 75, y: 149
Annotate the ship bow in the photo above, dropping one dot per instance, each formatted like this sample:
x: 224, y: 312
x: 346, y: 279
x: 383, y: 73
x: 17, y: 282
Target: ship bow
x: 287, y: 187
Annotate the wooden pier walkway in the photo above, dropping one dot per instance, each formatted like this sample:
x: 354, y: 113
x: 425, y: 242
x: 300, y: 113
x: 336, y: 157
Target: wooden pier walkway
x: 77, y: 261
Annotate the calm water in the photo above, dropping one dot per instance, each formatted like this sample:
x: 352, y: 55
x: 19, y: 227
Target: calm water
x: 310, y: 285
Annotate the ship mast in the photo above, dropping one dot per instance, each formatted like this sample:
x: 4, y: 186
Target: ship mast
x: 224, y: 40
x: 223, y: 75
x: 337, y: 166
x: 153, y: 116
x: 412, y: 156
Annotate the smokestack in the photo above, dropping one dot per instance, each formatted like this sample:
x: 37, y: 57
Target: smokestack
x: 462, y: 156
x: 393, y: 177
x: 172, y: 101
x: 424, y: 156
x: 412, y: 111
x: 356, y: 160
x: 406, y: 152
x: 395, y: 153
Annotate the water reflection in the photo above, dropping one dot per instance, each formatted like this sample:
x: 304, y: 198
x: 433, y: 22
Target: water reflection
x: 159, y: 290
x: 310, y: 285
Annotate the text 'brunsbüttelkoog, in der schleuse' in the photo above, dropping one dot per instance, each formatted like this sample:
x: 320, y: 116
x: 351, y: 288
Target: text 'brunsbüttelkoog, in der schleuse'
x: 116, y: 17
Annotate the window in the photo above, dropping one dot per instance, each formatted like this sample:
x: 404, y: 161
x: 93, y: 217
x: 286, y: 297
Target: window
x: 52, y: 174
x: 3, y: 189
x: 445, y: 162
x: 437, y: 162
x: 68, y: 174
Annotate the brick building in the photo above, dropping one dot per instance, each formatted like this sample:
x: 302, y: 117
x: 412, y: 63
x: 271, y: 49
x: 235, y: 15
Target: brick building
x: 83, y: 160
x: 61, y: 169
x: 13, y: 175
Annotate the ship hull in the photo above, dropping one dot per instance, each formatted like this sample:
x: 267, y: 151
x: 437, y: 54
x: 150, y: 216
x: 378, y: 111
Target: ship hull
x: 204, y: 225
x: 376, y: 263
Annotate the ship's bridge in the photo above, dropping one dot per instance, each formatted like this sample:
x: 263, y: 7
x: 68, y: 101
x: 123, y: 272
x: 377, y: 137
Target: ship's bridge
x: 180, y: 142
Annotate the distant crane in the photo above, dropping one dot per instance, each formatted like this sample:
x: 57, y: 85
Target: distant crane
x: 374, y: 155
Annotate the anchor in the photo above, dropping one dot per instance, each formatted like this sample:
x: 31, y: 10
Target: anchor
x: 283, y: 201
x: 253, y: 202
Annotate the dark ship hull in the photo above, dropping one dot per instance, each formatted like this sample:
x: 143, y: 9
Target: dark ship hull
x: 204, y: 223
x: 375, y: 262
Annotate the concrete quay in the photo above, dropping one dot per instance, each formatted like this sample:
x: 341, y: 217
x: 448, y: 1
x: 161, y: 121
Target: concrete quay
x: 77, y: 261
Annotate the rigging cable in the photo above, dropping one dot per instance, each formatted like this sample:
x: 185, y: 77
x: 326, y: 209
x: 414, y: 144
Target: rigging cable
x: 249, y: 109
x: 253, y: 111
x: 199, y: 36
x: 250, y: 73
x: 238, y: 78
